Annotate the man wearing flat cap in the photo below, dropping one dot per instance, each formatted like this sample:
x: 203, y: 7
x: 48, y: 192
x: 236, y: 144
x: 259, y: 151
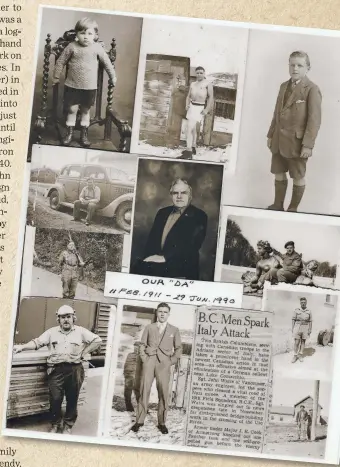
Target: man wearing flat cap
x: 68, y: 345
x: 291, y: 266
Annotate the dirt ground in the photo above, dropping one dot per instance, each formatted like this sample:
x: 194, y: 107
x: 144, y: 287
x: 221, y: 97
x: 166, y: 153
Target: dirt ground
x: 47, y: 284
x: 41, y: 215
x: 282, y: 440
x: 317, y: 364
x: 204, y: 153
x: 122, y: 421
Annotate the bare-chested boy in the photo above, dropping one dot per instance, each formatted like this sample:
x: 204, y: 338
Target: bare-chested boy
x: 198, y: 104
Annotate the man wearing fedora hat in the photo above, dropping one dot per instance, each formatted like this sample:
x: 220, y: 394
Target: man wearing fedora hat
x: 68, y: 345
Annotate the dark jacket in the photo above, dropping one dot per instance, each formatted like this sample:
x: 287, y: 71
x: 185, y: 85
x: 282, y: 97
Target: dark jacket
x: 296, y: 123
x: 182, y: 245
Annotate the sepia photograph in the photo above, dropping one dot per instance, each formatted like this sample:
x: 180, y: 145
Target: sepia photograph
x: 57, y: 366
x: 176, y: 219
x: 258, y: 246
x: 65, y: 264
x: 303, y: 331
x: 81, y: 190
x: 150, y: 379
x: 289, y: 145
x: 85, y: 80
x: 189, y: 91
x: 298, y: 418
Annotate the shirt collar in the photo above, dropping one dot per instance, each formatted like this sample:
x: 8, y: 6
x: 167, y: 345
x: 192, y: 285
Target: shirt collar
x: 68, y: 332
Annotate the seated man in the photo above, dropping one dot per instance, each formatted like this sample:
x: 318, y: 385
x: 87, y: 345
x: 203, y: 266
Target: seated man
x: 89, y: 198
x: 291, y: 266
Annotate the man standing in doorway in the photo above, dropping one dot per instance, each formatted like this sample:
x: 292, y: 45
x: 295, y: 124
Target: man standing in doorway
x: 301, y: 329
x: 68, y: 345
x: 160, y: 348
x: 199, y: 102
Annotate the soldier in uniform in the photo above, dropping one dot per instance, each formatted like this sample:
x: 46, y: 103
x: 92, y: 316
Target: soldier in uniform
x: 301, y: 329
x: 68, y: 345
x: 70, y: 261
x: 291, y: 266
x: 302, y: 421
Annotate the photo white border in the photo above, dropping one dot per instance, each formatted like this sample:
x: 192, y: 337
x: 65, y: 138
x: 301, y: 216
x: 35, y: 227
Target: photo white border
x: 333, y: 425
x: 229, y: 166
x: 272, y: 215
x: 170, y: 160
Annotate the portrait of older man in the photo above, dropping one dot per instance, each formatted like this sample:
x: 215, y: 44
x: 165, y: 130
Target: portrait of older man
x: 173, y: 245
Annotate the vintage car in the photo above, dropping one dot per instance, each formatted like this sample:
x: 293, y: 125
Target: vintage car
x: 116, y: 190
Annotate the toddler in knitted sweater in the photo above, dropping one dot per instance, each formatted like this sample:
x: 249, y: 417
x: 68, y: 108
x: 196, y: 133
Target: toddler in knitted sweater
x: 81, y: 58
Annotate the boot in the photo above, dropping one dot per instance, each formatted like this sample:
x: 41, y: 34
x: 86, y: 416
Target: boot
x: 84, y: 140
x: 280, y: 194
x: 297, y: 195
x: 187, y: 154
x: 69, y: 135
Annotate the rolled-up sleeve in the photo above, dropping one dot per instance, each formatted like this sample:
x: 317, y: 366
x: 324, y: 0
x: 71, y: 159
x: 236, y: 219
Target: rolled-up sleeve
x: 42, y: 340
x: 88, y: 337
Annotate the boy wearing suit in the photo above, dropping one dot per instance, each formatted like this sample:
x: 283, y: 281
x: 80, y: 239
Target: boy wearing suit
x: 293, y: 131
x: 160, y: 348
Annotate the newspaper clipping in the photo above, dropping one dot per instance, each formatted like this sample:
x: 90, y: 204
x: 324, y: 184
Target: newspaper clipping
x: 230, y: 379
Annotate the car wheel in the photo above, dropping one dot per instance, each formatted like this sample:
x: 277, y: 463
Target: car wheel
x: 124, y: 215
x: 54, y: 200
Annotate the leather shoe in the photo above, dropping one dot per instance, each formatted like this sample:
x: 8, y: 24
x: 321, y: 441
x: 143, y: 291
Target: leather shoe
x: 67, y: 430
x: 135, y: 428
x: 163, y: 429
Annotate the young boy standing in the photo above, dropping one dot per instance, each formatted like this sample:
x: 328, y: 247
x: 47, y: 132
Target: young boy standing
x: 293, y: 131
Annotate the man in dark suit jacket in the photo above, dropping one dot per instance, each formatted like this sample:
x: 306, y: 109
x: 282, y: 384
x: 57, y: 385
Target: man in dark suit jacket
x: 177, y: 234
x: 293, y: 131
x: 160, y: 348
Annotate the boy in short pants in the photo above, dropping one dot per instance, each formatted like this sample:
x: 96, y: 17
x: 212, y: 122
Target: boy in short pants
x: 293, y: 131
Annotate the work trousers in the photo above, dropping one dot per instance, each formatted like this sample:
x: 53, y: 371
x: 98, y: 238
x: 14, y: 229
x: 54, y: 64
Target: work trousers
x: 69, y: 279
x: 90, y: 209
x: 66, y: 380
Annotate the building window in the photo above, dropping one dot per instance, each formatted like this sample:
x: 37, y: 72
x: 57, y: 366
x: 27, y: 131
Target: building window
x: 281, y: 419
x: 225, y: 109
x: 272, y: 417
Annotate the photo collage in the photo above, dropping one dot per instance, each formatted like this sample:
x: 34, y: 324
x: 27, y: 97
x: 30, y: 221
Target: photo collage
x: 143, y: 141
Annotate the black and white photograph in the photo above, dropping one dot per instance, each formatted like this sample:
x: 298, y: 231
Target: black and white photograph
x: 81, y: 190
x: 150, y: 380
x: 57, y: 366
x: 85, y: 81
x: 64, y: 264
x: 289, y: 145
x: 303, y: 331
x: 258, y: 246
x: 298, y: 418
x: 189, y: 92
x: 176, y: 219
